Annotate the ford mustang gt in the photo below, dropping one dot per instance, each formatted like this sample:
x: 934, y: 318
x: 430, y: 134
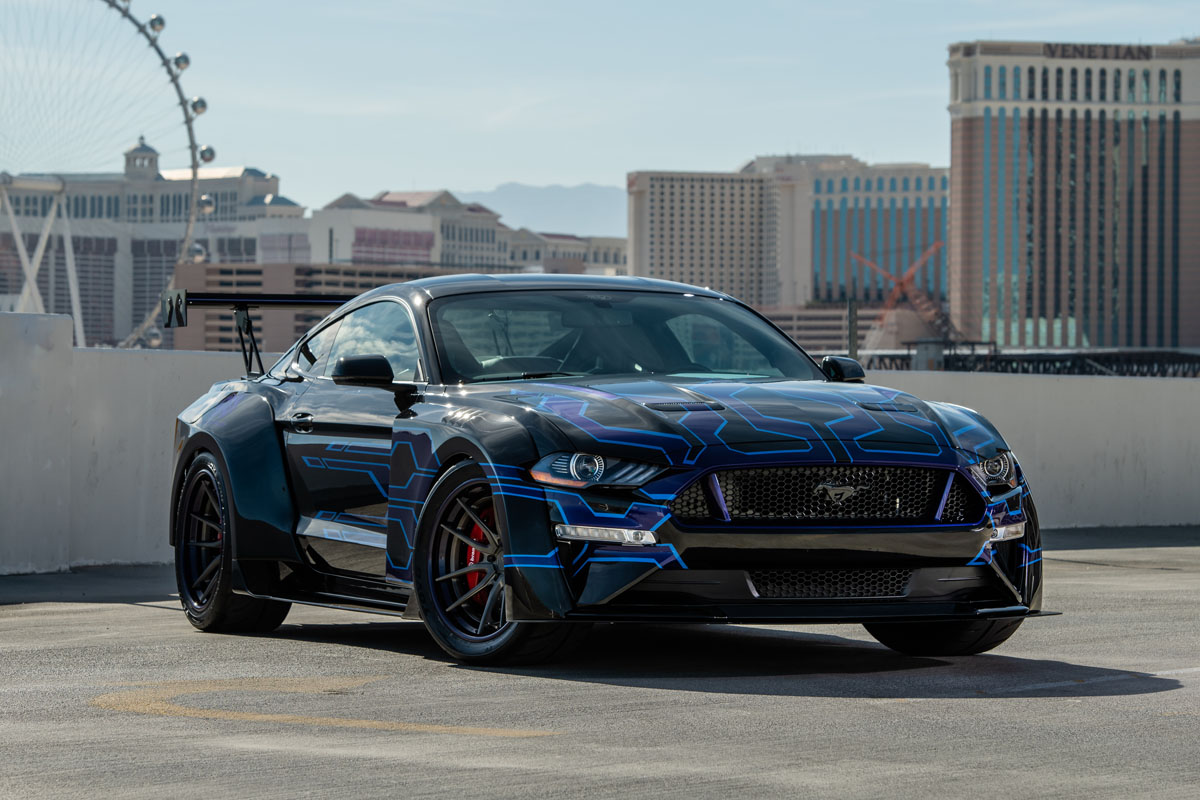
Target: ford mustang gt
x: 511, y: 458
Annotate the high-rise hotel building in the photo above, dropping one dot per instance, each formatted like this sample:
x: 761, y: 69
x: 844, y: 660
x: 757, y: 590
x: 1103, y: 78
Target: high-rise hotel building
x: 837, y: 214
x: 787, y: 231
x: 1075, y: 186
x: 712, y: 229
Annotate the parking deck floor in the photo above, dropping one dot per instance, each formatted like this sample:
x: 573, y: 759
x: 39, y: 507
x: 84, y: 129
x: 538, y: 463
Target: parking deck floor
x: 106, y: 691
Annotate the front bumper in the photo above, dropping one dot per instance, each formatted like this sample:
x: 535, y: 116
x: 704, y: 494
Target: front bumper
x: 745, y: 595
x: 698, y: 577
x: 841, y: 613
x: 700, y: 574
x: 932, y: 574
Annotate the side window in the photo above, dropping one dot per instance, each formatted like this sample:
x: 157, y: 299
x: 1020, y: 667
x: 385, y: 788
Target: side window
x: 314, y: 353
x: 384, y: 329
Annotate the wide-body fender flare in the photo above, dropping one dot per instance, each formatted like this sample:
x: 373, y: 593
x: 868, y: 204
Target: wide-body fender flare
x: 426, y: 457
x: 240, y: 432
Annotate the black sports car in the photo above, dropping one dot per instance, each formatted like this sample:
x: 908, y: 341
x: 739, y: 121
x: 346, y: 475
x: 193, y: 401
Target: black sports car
x: 510, y: 458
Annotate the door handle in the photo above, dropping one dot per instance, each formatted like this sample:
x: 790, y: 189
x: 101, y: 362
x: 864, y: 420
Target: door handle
x: 302, y: 423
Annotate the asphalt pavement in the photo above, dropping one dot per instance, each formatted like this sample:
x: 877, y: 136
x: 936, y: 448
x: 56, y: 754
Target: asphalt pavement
x: 106, y: 691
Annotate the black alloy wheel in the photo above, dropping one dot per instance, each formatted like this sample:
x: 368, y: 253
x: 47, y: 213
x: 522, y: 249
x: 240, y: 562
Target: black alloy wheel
x: 460, y: 583
x: 204, y: 557
x: 201, y: 544
x: 468, y: 565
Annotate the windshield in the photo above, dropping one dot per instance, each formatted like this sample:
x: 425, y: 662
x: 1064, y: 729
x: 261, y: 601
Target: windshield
x: 537, y: 334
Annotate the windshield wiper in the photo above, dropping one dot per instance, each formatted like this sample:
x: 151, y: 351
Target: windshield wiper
x: 525, y: 376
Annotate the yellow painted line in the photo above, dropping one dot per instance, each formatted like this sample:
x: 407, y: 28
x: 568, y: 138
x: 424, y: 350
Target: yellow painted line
x: 156, y: 699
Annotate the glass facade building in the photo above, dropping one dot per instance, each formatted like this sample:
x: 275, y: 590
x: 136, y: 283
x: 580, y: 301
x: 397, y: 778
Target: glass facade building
x: 1076, y: 194
x: 784, y: 232
x: 881, y: 218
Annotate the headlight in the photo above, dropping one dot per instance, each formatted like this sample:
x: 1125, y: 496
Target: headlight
x: 1001, y: 469
x: 581, y: 470
x: 585, y: 467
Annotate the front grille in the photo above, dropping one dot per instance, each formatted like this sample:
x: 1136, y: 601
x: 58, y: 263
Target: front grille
x: 692, y: 503
x: 959, y: 505
x: 838, y: 494
x: 830, y: 583
x: 792, y: 493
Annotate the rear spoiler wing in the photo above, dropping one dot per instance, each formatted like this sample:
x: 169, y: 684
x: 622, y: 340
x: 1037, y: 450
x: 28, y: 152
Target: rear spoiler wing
x: 175, y: 304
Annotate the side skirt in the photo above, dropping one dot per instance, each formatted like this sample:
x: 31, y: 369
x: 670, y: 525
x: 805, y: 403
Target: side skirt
x: 339, y: 602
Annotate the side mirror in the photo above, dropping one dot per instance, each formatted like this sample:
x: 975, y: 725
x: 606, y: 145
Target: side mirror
x: 366, y: 370
x: 375, y: 371
x: 843, y: 370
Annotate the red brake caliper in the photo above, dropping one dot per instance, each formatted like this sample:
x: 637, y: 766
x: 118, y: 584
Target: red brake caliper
x: 474, y: 556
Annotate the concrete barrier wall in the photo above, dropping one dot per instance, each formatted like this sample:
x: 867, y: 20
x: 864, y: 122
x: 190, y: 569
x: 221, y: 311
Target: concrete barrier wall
x: 123, y: 428
x: 86, y: 436
x: 1098, y: 451
x: 85, y: 445
x: 35, y: 436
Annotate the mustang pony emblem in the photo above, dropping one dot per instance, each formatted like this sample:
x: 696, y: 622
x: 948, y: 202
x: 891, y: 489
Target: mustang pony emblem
x: 835, y: 493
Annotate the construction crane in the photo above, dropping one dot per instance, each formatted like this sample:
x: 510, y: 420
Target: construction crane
x: 905, y: 287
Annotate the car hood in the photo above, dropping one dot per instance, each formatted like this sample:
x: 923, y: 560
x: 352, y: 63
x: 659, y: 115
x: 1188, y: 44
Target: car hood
x: 679, y: 421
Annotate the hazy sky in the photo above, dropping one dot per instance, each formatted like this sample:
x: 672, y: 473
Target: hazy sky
x: 362, y: 95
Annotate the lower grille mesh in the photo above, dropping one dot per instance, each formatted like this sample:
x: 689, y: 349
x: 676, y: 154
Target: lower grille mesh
x: 830, y: 583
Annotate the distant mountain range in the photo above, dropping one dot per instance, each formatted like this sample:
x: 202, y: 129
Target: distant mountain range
x: 585, y: 210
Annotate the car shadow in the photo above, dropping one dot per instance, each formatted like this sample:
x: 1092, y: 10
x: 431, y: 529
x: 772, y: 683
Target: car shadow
x: 765, y: 661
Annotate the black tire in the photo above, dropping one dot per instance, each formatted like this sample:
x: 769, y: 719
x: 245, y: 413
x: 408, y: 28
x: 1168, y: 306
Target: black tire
x: 204, y: 558
x: 1030, y: 583
x: 943, y: 638
x: 458, y: 576
x: 971, y: 636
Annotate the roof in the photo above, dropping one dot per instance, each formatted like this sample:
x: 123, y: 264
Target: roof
x: 445, y: 285
x: 211, y: 173
x: 270, y: 200
x: 348, y: 200
x: 407, y: 199
x: 141, y: 148
x: 564, y: 237
x: 74, y: 177
x: 528, y: 235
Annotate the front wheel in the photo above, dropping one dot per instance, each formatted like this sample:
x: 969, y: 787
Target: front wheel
x: 204, y: 558
x: 458, y: 576
x: 943, y: 638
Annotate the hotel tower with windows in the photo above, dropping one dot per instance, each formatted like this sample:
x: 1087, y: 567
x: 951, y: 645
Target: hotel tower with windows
x: 1075, y: 193
x: 789, y: 231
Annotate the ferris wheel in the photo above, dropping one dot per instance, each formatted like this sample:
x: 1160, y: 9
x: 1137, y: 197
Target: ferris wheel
x: 80, y: 81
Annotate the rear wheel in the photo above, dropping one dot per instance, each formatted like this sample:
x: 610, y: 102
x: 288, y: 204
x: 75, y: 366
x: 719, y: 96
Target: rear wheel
x: 943, y: 638
x: 204, y: 558
x: 460, y: 583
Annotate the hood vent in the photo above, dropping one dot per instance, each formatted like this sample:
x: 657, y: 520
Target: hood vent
x: 900, y: 407
x: 686, y: 406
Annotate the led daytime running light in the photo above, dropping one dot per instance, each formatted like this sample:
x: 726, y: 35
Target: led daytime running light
x: 583, y: 533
